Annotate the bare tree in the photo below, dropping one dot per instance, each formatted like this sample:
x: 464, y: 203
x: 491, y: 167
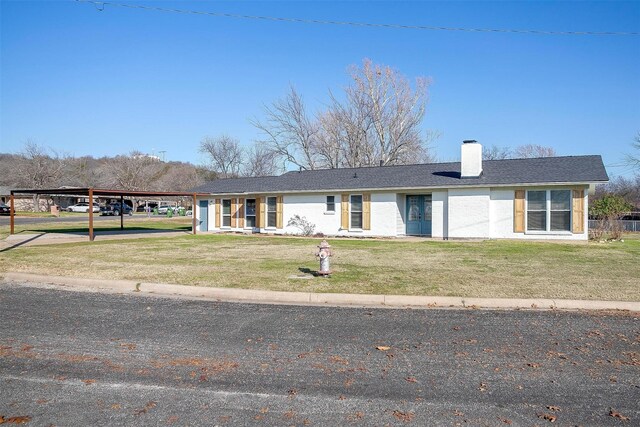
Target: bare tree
x: 529, y: 151
x: 83, y: 171
x: 136, y: 171
x: 377, y: 121
x: 289, y: 132
x: 394, y: 110
x: 634, y: 159
x: 179, y: 176
x: 38, y: 167
x: 261, y: 161
x: 496, y: 153
x: 224, y: 155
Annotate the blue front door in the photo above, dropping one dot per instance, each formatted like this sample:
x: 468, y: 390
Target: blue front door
x: 204, y: 215
x: 419, y: 215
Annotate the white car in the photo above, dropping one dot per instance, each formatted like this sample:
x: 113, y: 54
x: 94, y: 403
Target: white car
x: 162, y: 210
x: 83, y: 207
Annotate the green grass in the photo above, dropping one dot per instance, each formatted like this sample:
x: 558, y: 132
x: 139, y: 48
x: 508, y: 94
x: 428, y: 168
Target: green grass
x: 82, y: 225
x: 496, y: 268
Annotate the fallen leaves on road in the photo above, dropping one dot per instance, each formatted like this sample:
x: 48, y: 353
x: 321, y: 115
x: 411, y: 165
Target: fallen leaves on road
x: 15, y: 420
x: 404, y: 416
x: 127, y: 346
x: 88, y: 382
x: 549, y: 417
x: 383, y: 348
x: 339, y: 360
x: 411, y: 380
x: 150, y: 405
x: 553, y: 408
x: 616, y: 414
x: 355, y: 417
x: 482, y: 387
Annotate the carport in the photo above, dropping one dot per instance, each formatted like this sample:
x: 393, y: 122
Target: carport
x: 90, y: 193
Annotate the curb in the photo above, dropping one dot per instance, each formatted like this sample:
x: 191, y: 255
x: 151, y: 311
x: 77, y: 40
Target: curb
x: 309, y: 298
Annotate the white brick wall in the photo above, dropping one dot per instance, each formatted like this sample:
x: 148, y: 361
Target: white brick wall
x: 457, y: 213
x: 468, y: 210
x: 439, y: 217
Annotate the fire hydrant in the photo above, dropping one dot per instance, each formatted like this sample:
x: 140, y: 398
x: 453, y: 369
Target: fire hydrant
x: 324, y: 252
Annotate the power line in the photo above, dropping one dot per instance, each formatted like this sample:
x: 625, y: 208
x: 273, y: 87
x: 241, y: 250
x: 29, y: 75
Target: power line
x: 101, y: 5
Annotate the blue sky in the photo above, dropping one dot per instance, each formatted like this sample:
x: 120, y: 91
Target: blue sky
x: 84, y: 81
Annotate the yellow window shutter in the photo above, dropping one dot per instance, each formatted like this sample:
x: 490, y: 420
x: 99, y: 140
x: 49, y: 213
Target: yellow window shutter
x: 258, y: 213
x: 262, y: 208
x: 217, y: 213
x: 578, y: 212
x: 241, y: 212
x: 344, y: 208
x: 518, y: 212
x: 234, y: 213
x: 279, y: 212
x: 366, y: 211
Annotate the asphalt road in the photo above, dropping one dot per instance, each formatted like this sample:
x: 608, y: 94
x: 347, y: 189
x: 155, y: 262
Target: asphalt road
x: 76, y: 359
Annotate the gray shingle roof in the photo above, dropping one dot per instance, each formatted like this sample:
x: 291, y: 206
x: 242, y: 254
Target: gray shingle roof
x: 570, y: 169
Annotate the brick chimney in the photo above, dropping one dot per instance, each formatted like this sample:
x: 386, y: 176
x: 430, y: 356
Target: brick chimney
x: 470, y: 159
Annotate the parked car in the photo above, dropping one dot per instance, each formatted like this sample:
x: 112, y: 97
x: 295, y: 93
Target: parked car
x: 150, y: 205
x: 162, y: 210
x: 83, y: 207
x: 4, y: 209
x: 115, y: 209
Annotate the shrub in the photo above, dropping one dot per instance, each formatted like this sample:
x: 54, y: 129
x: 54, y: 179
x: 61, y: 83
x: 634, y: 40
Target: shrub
x: 607, y: 211
x: 306, y: 228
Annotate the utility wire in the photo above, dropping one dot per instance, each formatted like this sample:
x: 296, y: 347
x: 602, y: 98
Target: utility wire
x: 101, y: 5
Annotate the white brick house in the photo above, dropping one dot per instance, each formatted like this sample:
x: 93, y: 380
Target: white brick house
x: 542, y: 198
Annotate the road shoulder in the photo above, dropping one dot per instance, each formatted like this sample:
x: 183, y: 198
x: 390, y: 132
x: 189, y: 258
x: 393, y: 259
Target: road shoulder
x: 309, y: 298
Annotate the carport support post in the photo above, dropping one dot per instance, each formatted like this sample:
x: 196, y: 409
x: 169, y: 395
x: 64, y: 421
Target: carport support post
x: 91, y: 214
x: 121, y: 212
x: 193, y: 215
x: 12, y: 213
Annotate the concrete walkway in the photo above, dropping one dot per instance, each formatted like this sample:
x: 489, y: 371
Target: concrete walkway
x: 35, y: 239
x: 308, y: 298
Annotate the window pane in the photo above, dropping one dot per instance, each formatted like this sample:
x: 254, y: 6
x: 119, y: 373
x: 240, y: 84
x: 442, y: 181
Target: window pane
x: 226, y: 221
x: 271, y: 204
x: 537, y: 200
x: 414, y: 210
x: 226, y: 207
x: 271, y: 219
x: 560, y: 200
x: 561, y: 221
x: 537, y: 221
x: 356, y: 219
x: 331, y: 205
x: 251, y: 221
x: 427, y: 208
x: 356, y: 203
x: 251, y: 207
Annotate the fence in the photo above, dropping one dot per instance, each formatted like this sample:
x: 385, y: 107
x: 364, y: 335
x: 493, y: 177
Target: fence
x: 627, y: 225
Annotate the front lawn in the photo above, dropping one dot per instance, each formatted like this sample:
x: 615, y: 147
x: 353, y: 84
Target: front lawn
x: 135, y: 222
x: 496, y: 268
